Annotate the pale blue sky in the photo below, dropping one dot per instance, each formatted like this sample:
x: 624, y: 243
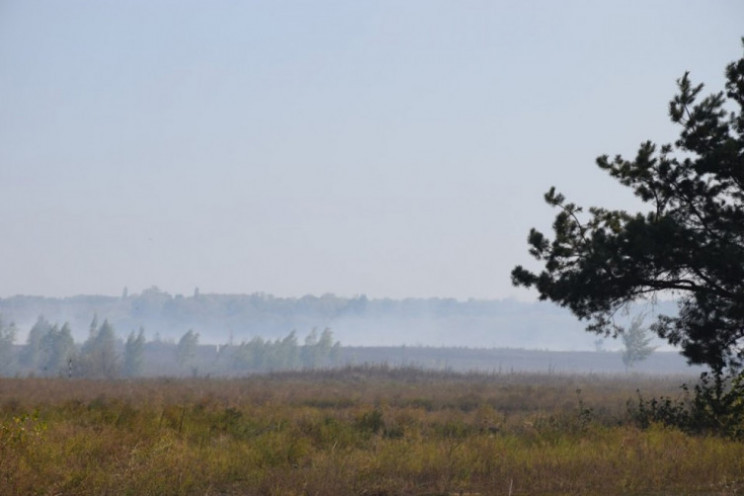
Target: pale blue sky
x: 391, y: 148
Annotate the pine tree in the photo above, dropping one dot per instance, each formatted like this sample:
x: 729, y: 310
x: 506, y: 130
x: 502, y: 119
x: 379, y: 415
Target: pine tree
x: 689, y: 242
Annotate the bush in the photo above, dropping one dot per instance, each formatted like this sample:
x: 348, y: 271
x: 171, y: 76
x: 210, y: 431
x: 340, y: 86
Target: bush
x: 716, y: 406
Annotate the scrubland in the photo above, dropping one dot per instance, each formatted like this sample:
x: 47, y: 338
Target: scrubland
x: 355, y: 431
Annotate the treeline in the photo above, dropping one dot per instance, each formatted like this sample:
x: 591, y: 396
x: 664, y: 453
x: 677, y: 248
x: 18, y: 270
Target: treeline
x: 50, y: 350
x: 215, y: 315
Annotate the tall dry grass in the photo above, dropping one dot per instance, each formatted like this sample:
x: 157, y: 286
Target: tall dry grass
x: 365, y: 431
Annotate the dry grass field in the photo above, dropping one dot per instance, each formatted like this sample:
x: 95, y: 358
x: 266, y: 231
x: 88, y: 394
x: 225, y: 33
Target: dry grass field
x: 357, y: 431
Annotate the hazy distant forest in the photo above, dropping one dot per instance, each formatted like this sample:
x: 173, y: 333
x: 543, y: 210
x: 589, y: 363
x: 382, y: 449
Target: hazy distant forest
x: 157, y: 334
x: 50, y: 350
x: 356, y: 321
x: 219, y: 317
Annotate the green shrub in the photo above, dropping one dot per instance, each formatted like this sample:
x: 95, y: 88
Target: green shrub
x: 716, y: 406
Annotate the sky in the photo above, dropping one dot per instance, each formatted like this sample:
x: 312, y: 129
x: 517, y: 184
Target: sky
x: 387, y: 148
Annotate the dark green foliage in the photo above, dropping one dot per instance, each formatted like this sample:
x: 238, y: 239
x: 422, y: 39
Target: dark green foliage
x: 716, y: 406
x: 690, y: 241
x: 371, y: 422
x: 662, y: 410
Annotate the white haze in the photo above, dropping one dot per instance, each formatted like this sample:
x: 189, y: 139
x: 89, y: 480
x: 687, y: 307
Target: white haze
x: 394, y: 149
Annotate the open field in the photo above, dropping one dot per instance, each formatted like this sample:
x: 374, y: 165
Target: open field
x: 363, y: 431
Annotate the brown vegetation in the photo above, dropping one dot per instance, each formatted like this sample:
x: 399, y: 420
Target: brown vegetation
x: 353, y: 431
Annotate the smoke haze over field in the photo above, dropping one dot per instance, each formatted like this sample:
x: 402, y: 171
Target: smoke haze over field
x: 358, y: 321
x: 394, y: 149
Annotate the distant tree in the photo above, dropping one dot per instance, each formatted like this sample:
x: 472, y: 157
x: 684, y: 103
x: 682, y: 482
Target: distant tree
x: 7, y: 338
x: 289, y: 355
x: 637, y: 341
x: 58, y: 350
x: 151, y: 302
x: 31, y: 355
x: 99, y: 358
x: 357, y: 306
x: 93, y: 329
x: 249, y: 356
x: 186, y: 349
x: 319, y: 351
x: 259, y: 355
x: 134, y: 350
x: 325, y: 344
x: 335, y: 355
x: 310, y: 350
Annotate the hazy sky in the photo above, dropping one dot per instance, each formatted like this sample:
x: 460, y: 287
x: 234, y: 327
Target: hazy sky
x: 391, y: 148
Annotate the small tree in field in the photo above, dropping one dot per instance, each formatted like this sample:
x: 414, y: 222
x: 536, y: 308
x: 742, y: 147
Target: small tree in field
x: 637, y: 343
